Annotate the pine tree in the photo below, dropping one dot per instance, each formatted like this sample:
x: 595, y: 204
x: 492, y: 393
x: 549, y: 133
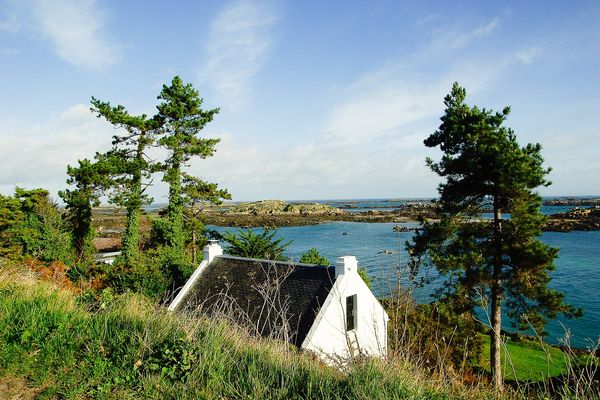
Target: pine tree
x: 130, y: 166
x: 182, y: 118
x: 197, y: 192
x: 498, y: 259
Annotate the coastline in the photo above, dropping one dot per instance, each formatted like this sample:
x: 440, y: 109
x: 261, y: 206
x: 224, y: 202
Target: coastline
x: 278, y: 213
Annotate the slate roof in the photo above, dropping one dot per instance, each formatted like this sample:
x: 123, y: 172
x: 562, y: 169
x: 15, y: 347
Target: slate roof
x: 263, y: 295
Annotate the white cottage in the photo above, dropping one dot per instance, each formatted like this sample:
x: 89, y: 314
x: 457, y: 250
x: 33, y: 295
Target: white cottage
x: 329, y: 311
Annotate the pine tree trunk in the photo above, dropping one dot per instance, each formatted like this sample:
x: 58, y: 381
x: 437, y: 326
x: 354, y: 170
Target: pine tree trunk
x: 496, y: 292
x: 194, y: 251
x: 174, y: 210
x: 130, y: 244
x: 130, y: 237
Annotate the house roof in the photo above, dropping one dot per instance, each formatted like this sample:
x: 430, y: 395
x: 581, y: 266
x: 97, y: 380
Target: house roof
x: 261, y: 294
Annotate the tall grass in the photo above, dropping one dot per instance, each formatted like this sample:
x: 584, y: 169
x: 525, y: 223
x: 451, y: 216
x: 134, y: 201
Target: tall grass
x: 135, y: 349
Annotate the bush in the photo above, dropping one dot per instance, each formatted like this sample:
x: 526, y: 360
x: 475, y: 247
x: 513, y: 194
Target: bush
x: 313, y: 256
x: 148, y: 275
x: 441, y: 340
x: 31, y: 225
x: 263, y: 245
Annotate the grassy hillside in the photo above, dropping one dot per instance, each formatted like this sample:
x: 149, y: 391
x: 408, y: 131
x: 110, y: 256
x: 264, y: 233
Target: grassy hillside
x: 134, y: 349
x: 527, y: 360
x: 54, y: 346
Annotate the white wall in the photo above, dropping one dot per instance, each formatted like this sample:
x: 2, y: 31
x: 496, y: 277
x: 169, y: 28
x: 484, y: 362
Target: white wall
x: 328, y: 337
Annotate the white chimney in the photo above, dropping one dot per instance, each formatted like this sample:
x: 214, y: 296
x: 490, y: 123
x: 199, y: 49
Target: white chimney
x: 211, y: 250
x: 346, y: 265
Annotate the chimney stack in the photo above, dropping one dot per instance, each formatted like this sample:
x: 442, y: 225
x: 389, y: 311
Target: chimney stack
x: 346, y: 265
x: 211, y: 250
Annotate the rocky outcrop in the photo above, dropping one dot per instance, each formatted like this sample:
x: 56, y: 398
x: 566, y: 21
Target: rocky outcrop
x: 578, y: 219
x: 572, y: 201
x: 280, y: 207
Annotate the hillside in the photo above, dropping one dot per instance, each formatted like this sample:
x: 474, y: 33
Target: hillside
x: 56, y: 344
x: 127, y: 347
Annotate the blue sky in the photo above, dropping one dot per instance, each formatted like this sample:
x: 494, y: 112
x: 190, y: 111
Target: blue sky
x: 318, y: 99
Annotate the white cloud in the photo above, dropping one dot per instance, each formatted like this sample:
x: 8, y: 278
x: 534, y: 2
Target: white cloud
x: 371, y: 143
x: 381, y: 107
x: 238, y: 45
x: 527, y: 54
x: 73, y: 28
x: 37, y: 156
x: 479, y: 32
x: 447, y: 39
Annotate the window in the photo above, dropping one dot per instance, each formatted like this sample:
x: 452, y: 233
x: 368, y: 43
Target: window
x: 350, y: 313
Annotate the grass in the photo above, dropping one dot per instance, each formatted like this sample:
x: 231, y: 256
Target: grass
x: 527, y: 360
x: 52, y: 347
x: 135, y: 349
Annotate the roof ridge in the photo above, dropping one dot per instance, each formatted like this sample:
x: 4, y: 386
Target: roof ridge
x: 290, y: 263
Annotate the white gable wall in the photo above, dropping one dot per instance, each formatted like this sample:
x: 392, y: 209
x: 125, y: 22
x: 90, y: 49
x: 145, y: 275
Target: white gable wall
x: 328, y: 337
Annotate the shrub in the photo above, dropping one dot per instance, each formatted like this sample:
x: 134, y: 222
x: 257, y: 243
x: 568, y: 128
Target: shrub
x: 263, y: 245
x: 313, y: 256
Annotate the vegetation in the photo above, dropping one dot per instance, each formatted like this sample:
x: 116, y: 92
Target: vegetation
x: 32, y: 226
x: 262, y: 245
x: 442, y: 341
x: 181, y: 118
x: 312, y: 256
x: 130, y: 348
x: 107, y: 322
x: 89, y: 180
x: 129, y: 167
x: 195, y: 193
x: 527, y: 360
x: 500, y: 262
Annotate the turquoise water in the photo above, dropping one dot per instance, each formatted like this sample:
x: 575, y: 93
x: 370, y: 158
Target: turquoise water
x: 577, y: 272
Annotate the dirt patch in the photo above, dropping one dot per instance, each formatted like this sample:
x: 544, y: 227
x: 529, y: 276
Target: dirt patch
x: 13, y: 388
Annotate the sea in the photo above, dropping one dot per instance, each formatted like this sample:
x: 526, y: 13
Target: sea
x: 381, y: 251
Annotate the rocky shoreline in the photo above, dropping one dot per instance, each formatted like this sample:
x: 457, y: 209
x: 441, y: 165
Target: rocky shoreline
x: 277, y: 213
x: 572, y: 201
x: 578, y: 219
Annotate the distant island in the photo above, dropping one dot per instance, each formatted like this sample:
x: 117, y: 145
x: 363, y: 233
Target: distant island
x: 278, y: 213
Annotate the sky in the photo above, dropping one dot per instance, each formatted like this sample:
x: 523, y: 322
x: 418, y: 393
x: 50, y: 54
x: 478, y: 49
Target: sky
x: 318, y: 99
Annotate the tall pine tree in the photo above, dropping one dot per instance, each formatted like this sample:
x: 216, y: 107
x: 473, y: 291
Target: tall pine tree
x: 501, y: 259
x: 182, y: 118
x: 130, y: 166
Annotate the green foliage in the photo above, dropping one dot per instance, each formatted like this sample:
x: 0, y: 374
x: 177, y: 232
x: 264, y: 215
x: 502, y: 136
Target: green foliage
x: 129, y: 167
x: 497, y: 261
x: 173, y: 358
x: 89, y: 180
x: 263, y: 245
x: 434, y: 334
x: 181, y: 118
x: 132, y: 349
x: 32, y: 226
x: 362, y: 272
x: 96, y: 300
x: 195, y: 194
x: 528, y: 360
x: 148, y: 275
x: 312, y: 256
x: 12, y: 217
